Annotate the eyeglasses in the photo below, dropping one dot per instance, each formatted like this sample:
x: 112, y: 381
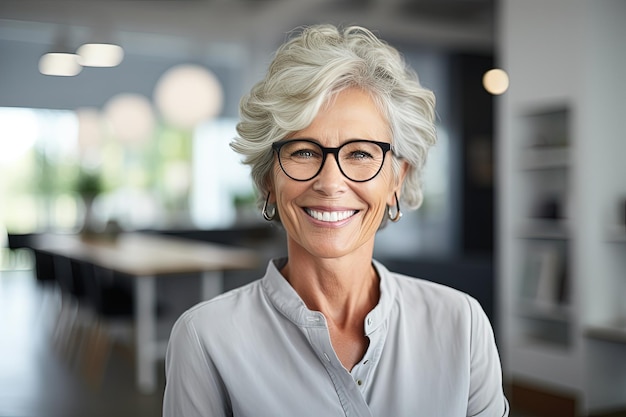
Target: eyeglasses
x: 358, y: 160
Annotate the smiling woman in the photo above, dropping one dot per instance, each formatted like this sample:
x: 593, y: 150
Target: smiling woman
x: 336, y: 135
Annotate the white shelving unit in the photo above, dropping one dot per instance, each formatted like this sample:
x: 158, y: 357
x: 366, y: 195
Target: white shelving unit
x: 543, y: 318
x: 561, y: 196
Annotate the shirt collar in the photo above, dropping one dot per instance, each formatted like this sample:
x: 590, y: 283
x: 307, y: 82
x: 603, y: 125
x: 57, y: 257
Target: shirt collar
x: 286, y: 300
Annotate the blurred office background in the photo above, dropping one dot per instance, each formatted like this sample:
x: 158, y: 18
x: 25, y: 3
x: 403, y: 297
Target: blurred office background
x: 525, y: 193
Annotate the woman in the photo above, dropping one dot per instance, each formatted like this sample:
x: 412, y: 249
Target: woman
x: 336, y: 136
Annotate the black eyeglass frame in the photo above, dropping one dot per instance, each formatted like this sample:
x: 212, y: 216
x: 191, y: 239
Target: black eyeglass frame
x: 384, y: 146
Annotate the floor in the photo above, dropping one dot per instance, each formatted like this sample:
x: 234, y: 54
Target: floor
x: 38, y: 379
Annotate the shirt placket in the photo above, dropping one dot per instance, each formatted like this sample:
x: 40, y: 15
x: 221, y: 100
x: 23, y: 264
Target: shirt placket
x: 347, y: 388
x: 362, y: 371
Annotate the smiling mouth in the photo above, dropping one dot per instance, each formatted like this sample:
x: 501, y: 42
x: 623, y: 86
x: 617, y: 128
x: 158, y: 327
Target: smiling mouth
x: 330, y: 216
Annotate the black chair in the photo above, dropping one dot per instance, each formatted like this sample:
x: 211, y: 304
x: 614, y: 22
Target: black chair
x: 110, y: 297
x: 73, y: 313
x: 44, y: 267
x: 68, y: 275
x: 20, y: 255
x: 110, y: 293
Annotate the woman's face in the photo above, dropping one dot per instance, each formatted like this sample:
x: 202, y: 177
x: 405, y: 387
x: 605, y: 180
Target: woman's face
x: 359, y: 206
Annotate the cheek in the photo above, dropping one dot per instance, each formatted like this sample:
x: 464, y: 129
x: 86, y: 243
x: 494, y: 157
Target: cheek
x: 284, y: 192
x: 379, y: 196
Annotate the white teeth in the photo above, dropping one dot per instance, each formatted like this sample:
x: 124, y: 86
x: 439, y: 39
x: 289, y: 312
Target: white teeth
x: 330, y: 216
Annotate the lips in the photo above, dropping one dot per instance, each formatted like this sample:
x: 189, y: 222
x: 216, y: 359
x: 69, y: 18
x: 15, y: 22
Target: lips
x: 330, y: 216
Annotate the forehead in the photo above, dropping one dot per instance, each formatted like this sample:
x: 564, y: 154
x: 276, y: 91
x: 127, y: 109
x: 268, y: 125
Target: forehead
x: 349, y: 114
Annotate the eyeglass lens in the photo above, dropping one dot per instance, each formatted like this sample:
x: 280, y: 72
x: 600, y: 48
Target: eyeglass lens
x: 358, y: 160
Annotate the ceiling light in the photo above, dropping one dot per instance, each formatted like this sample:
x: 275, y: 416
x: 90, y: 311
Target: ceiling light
x: 60, y: 64
x: 496, y: 81
x: 187, y: 95
x: 130, y: 117
x: 100, y: 55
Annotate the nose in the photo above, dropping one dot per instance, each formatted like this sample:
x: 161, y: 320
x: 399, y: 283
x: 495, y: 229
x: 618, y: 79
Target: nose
x: 330, y: 179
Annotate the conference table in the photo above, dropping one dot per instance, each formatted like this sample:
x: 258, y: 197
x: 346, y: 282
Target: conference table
x: 144, y: 257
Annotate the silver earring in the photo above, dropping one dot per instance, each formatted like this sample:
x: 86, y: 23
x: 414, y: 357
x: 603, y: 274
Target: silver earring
x: 269, y: 216
x: 396, y: 217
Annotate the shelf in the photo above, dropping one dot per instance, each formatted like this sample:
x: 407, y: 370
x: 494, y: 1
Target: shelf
x: 544, y: 310
x: 544, y: 162
x: 544, y: 229
x: 609, y: 332
x: 617, y: 234
x: 548, y: 127
x: 545, y: 323
x: 545, y: 157
x: 547, y: 363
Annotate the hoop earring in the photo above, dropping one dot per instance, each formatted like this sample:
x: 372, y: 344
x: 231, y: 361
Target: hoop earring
x: 269, y: 216
x: 395, y: 218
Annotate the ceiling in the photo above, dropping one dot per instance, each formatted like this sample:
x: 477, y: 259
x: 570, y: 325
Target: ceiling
x: 457, y: 24
x: 234, y: 38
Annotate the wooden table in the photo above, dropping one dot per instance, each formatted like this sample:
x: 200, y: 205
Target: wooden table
x: 144, y: 257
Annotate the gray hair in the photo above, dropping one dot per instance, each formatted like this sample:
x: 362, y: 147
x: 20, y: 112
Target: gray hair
x: 311, y: 68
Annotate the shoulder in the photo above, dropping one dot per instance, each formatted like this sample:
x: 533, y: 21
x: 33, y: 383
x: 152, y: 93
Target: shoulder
x: 207, y: 332
x: 230, y: 304
x: 450, y: 314
x: 226, y: 315
x: 418, y: 296
x: 199, y: 349
x: 430, y: 292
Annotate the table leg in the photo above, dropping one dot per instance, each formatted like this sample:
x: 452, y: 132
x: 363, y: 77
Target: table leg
x: 212, y: 284
x: 145, y: 322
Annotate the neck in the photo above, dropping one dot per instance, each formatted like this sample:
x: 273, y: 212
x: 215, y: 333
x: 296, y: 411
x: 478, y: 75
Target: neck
x: 344, y: 289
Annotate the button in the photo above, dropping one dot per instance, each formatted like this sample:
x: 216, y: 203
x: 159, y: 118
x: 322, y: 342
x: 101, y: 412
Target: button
x: 365, y: 361
x: 369, y: 321
x: 326, y: 357
x: 359, y: 382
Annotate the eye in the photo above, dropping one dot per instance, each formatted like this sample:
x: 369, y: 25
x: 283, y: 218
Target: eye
x: 360, y: 151
x: 359, y: 154
x: 301, y: 151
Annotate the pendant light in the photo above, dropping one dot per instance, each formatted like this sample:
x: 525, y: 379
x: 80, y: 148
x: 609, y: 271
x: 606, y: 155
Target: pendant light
x: 60, y: 61
x: 105, y: 55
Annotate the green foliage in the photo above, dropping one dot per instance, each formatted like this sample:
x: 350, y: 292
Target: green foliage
x: 88, y: 184
x: 244, y: 200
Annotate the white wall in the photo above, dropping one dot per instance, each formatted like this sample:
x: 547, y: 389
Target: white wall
x: 603, y: 136
x: 572, y: 52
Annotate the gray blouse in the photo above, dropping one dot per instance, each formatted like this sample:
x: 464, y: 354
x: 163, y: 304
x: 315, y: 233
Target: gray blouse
x: 259, y: 351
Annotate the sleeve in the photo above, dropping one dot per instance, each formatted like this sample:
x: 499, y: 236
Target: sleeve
x: 486, y: 396
x: 193, y: 387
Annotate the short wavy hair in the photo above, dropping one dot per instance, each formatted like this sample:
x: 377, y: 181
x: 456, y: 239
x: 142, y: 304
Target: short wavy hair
x: 310, y: 68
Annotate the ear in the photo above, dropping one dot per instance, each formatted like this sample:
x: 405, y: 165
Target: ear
x: 399, y: 181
